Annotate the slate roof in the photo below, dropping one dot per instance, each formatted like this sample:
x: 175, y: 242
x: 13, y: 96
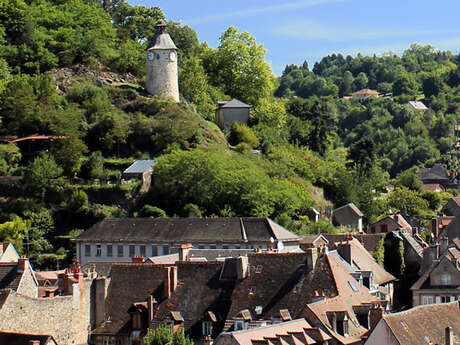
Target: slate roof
x: 451, y: 231
x: 102, y: 268
x: 161, y: 40
x: 234, y: 103
x: 396, y: 218
x: 412, y: 242
x: 436, y: 172
x: 9, y: 276
x: 23, y: 339
x: 425, y: 324
x: 167, y: 230
x: 129, y: 283
x: 139, y: 166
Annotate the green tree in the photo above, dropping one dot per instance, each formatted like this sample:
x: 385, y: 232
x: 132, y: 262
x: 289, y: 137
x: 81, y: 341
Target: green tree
x: 15, y: 231
x: 379, y: 252
x: 409, y: 179
x: 405, y: 84
x: 165, y: 335
x: 239, y: 67
x: 149, y: 211
x: 241, y: 133
x: 43, y: 175
x: 41, y: 227
x: 271, y: 112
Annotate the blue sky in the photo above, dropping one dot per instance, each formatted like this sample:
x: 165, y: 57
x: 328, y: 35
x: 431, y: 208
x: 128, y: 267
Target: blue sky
x: 293, y: 31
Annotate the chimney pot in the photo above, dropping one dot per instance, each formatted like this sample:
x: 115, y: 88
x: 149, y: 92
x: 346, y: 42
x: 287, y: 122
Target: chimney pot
x: 22, y: 262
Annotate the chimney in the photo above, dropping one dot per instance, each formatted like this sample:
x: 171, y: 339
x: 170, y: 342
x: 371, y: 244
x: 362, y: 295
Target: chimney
x: 99, y: 301
x: 34, y: 342
x: 435, y: 227
x: 184, y: 250
x: 449, y: 336
x: 170, y: 280
x: 242, y: 267
x: 152, y: 307
x: 22, y: 263
x: 345, y: 252
x: 430, y: 254
x: 137, y: 259
x: 444, y: 241
x: 375, y: 315
x: 312, y: 256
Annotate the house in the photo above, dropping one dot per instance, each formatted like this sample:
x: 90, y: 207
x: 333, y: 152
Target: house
x: 418, y: 105
x: 228, y: 112
x: 440, y: 283
x: 207, y: 298
x: 422, y: 325
x: 364, y: 94
x: 48, y: 282
x: 141, y: 169
x: 313, y: 241
x: 452, y: 208
x: 357, y: 261
x: 413, y: 247
x: 438, y: 223
x: 437, y: 174
x: 118, y: 240
x: 26, y: 339
x: 65, y: 316
x: 451, y: 231
x: 289, y: 332
x: 433, y: 187
x: 392, y: 222
x: 349, y: 216
x: 8, y: 253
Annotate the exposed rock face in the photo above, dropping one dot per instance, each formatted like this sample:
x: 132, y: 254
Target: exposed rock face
x: 65, y: 76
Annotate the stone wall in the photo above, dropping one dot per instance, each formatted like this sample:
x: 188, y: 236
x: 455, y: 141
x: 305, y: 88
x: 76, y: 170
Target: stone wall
x: 66, y: 318
x: 28, y: 285
x: 161, y: 76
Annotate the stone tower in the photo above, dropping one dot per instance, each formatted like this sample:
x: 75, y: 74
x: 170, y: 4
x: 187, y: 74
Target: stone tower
x: 162, y: 65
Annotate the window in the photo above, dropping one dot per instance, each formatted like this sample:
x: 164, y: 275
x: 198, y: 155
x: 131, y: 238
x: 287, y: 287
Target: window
x: 445, y: 279
x: 258, y: 268
x: 345, y: 327
x: 165, y: 250
x: 132, y: 250
x: 224, y: 247
x: 200, y: 246
x: 120, y: 251
x: 87, y: 250
x: 373, y: 229
x: 252, y: 290
x: 353, y: 286
x: 109, y: 250
x: 445, y: 299
x: 239, y: 325
x: 154, y: 250
x: 212, y: 246
x: 207, y: 328
x: 98, y: 250
x: 142, y: 250
x: 384, y: 228
x: 427, y: 299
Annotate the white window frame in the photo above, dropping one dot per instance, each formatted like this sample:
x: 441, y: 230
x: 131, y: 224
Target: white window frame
x: 109, y: 252
x: 206, y: 328
x: 87, y: 250
x: 98, y: 250
x: 427, y: 299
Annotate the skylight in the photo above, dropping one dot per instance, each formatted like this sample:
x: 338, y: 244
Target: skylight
x: 353, y: 286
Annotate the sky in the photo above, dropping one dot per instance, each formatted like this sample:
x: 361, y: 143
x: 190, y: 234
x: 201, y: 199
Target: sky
x: 293, y: 31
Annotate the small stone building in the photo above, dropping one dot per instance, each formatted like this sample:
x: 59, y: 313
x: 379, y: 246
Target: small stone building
x: 141, y: 169
x: 392, y: 222
x: 228, y: 112
x: 349, y: 216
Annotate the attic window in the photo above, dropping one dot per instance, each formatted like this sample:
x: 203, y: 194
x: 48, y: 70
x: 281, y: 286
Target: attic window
x: 258, y: 309
x: 259, y: 268
x: 353, y: 286
x: 252, y: 290
x: 428, y: 341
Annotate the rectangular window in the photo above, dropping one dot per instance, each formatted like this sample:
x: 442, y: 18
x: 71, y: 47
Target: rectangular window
x: 109, y: 250
x: 87, y: 250
x: 132, y: 250
x: 98, y: 250
x: 445, y: 279
x: 120, y: 250
x: 384, y: 228
x: 165, y: 250
x: 207, y: 328
x: 258, y: 268
x: 239, y: 325
x: 142, y: 250
x: 154, y: 250
x: 445, y: 299
x: 212, y: 246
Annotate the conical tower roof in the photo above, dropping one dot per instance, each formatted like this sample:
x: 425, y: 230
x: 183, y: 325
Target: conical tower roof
x: 162, y: 40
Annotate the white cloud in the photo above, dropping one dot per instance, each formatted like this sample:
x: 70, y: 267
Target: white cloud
x: 260, y: 10
x: 312, y: 30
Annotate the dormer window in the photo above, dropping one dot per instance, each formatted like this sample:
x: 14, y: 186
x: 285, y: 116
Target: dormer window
x: 346, y: 330
x: 252, y: 290
x: 240, y: 325
x: 259, y: 269
x: 207, y: 328
x: 445, y: 279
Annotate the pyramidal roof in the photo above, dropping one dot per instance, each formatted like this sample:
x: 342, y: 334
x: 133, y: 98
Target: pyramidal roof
x: 161, y: 40
x: 234, y: 103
